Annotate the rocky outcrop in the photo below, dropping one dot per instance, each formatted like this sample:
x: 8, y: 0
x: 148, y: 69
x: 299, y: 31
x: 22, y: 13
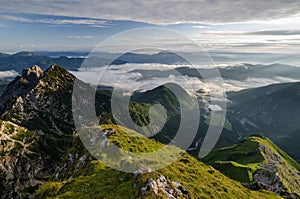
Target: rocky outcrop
x: 20, y: 86
x: 33, y: 73
x: 171, y: 190
x: 139, y: 172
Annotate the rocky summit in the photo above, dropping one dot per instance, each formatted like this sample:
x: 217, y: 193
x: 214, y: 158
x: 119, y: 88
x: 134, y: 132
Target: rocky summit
x: 21, y: 85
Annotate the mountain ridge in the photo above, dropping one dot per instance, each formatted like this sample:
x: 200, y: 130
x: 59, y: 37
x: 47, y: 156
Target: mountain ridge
x: 259, y: 164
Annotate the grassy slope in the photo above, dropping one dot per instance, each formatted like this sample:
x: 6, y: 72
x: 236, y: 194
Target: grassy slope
x: 240, y: 161
x: 95, y: 180
x: 242, y: 158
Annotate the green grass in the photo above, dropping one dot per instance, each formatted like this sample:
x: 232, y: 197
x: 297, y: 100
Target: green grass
x: 95, y: 180
x: 236, y: 171
x: 246, y: 152
x: 241, y: 160
x: 50, y: 189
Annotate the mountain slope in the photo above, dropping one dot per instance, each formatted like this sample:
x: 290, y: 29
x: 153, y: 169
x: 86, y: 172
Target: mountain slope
x: 40, y: 96
x: 185, y: 178
x: 259, y: 163
x: 37, y: 128
x: 272, y: 111
x: 3, y: 84
x: 20, y: 161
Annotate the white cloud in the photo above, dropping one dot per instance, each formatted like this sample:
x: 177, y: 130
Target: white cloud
x: 8, y: 74
x: 91, y: 22
x: 201, y: 27
x: 80, y: 37
x: 15, y: 18
x: 157, y: 11
x: 122, y: 77
x: 73, y: 21
x: 233, y: 85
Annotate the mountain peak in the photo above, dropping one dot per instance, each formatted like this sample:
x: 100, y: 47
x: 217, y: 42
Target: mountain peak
x: 31, y: 91
x: 20, y: 85
x: 54, y: 67
x: 33, y: 73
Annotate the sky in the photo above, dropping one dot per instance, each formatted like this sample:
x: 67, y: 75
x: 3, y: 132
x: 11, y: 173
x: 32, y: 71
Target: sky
x: 217, y: 25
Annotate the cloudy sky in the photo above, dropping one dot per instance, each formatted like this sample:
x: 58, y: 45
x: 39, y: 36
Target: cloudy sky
x: 240, y: 26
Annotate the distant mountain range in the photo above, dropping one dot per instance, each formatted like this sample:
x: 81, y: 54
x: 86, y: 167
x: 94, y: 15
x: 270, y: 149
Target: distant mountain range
x: 18, y: 60
x: 72, y: 61
x: 3, y: 84
x: 45, y: 59
x: 242, y: 72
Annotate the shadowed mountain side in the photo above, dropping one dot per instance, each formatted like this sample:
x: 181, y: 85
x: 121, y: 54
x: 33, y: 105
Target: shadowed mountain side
x: 272, y: 111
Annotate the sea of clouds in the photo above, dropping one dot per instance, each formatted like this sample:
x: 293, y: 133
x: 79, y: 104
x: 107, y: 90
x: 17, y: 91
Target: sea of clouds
x: 126, y: 77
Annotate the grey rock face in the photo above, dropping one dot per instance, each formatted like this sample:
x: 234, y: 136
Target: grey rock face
x: 20, y: 86
x: 272, y: 177
x: 21, y: 167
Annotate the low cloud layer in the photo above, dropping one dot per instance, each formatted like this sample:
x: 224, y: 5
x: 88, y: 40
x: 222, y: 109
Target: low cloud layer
x: 123, y: 77
x: 8, y: 74
x: 157, y: 11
